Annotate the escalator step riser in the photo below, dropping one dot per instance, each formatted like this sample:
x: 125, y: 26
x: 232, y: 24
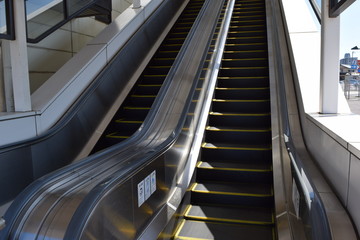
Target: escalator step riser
x: 234, y: 176
x: 246, y: 33
x: 237, y: 40
x: 152, y: 79
x: 142, y: 101
x: 245, y: 47
x: 133, y: 113
x: 245, y: 54
x: 247, y: 18
x: 174, y: 41
x: 125, y: 128
x: 171, y: 47
x: 248, y: 72
x: 239, y: 137
x: 233, y: 200
x: 153, y: 70
x: 193, y: 230
x: 263, y: 157
x: 162, y: 62
x: 241, y: 107
x: 243, y: 121
x: 254, y: 27
x: 243, y: 82
x: 150, y: 89
x: 166, y: 54
x: 243, y: 94
x: 245, y: 62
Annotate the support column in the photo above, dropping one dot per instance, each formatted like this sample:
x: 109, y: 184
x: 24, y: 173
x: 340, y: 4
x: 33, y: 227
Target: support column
x: 329, y: 72
x: 15, y: 64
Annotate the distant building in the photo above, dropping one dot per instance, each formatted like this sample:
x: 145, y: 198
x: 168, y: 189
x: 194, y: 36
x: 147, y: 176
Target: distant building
x: 348, y: 60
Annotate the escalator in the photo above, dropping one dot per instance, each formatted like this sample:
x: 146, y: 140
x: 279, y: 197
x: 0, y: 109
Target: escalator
x: 233, y: 193
x: 139, y: 101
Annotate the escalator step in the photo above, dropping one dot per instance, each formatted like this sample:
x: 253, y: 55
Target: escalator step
x: 196, y: 230
x: 244, y: 62
x: 248, y: 40
x: 226, y: 214
x: 241, y: 165
x: 237, y: 135
x: 238, y: 81
x: 245, y: 106
x: 245, y: 46
x: 208, y: 171
x: 242, y: 93
x: 246, y: 33
x: 234, y: 194
x: 142, y: 100
x: 243, y: 71
x: 246, y: 120
x: 262, y: 155
x: 243, y: 54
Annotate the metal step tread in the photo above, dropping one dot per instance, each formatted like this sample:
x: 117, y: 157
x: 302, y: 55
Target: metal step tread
x: 239, y: 114
x: 227, y: 146
x: 240, y: 166
x: 198, y: 230
x: 241, y: 100
x: 234, y: 189
x: 230, y: 214
x: 236, y: 129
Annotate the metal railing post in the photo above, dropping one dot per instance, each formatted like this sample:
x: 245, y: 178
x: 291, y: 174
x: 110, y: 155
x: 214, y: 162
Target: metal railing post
x: 329, y: 69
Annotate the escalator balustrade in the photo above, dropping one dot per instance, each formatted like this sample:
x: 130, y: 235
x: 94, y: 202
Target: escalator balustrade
x: 136, y: 106
x: 232, y: 196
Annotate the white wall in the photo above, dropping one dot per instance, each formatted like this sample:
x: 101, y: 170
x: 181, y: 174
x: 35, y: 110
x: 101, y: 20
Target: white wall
x: 49, y: 55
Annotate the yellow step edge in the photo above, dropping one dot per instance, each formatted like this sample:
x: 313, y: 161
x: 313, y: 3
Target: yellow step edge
x: 248, y: 12
x: 250, y: 9
x: 228, y: 220
x: 234, y: 193
x: 169, y: 51
x: 254, y: 31
x: 239, y: 101
x: 173, y: 44
x: 259, y: 88
x: 248, y: 21
x: 244, y: 51
x: 233, y: 169
x: 128, y: 121
x: 210, y: 128
x: 239, y: 114
x: 205, y: 145
x: 164, y: 59
x: 178, y: 38
x: 113, y: 135
x: 237, y: 5
x: 137, y: 108
x: 243, y: 59
x: 191, y: 238
x: 143, y: 96
x: 150, y: 85
x: 243, y: 44
x: 236, y: 68
x: 159, y: 66
x: 231, y: 78
x: 260, y: 15
x: 155, y: 75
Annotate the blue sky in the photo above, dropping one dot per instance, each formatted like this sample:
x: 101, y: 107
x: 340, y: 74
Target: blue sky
x: 350, y: 30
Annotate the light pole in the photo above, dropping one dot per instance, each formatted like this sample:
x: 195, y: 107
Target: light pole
x: 354, y: 49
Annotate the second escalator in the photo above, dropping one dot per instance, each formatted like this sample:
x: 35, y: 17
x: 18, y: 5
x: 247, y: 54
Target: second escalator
x: 136, y: 106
